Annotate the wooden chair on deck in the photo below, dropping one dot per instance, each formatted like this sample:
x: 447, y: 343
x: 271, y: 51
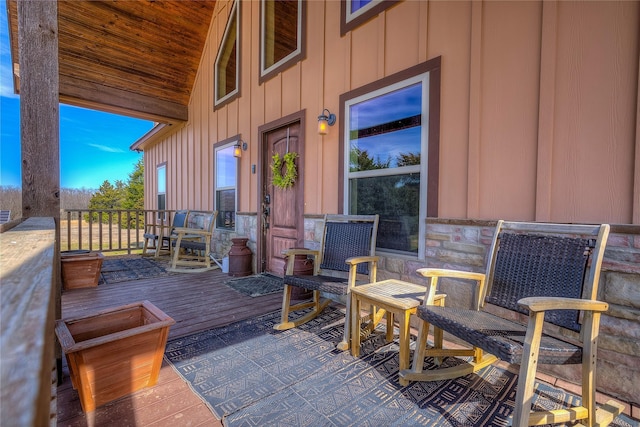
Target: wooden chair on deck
x: 192, y: 244
x: 158, y: 237
x: 549, y: 272
x: 346, y: 258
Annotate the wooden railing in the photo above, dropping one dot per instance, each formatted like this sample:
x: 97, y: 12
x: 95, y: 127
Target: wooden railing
x: 28, y: 267
x: 115, y: 230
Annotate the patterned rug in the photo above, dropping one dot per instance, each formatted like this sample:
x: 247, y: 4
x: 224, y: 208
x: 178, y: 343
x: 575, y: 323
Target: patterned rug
x: 249, y: 374
x: 257, y: 285
x: 116, y: 270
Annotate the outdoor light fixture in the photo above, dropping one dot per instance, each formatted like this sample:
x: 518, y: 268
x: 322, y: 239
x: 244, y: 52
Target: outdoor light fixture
x: 324, y: 121
x: 239, y: 148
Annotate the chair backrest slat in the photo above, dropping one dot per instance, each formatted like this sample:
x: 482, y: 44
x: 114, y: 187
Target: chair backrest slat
x: 180, y: 219
x: 540, y: 265
x: 346, y: 237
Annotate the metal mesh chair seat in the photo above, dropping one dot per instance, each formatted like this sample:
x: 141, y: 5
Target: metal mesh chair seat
x: 498, y: 336
x: 329, y: 284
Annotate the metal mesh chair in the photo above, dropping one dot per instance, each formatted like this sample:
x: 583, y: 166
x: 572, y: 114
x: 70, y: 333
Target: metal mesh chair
x: 346, y: 259
x: 549, y: 272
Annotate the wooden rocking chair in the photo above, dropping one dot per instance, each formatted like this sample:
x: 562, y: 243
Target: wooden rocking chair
x: 346, y: 259
x: 549, y: 272
x: 158, y: 237
x: 192, y: 245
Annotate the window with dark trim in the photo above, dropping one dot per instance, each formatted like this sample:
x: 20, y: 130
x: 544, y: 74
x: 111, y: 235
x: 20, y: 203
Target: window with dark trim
x: 161, y: 175
x: 227, y: 69
x: 354, y: 13
x: 390, y: 145
x: 282, y: 35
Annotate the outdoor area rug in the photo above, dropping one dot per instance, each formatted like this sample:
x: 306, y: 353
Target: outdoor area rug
x: 116, y: 270
x: 257, y: 285
x: 251, y: 375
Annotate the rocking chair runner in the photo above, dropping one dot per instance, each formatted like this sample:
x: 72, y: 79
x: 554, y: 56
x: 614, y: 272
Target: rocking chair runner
x: 346, y: 259
x: 531, y: 270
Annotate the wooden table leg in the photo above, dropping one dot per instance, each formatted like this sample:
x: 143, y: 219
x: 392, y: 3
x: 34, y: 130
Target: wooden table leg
x: 403, y: 321
x: 355, y: 325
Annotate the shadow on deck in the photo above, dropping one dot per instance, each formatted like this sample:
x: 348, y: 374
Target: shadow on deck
x: 196, y: 302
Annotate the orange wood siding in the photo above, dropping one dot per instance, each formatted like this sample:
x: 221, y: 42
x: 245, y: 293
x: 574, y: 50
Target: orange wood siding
x: 539, y: 106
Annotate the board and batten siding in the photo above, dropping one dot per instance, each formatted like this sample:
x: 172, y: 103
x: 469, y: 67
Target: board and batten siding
x: 539, y: 121
x: 539, y: 111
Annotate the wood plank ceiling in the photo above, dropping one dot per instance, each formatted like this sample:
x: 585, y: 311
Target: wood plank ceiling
x: 136, y: 58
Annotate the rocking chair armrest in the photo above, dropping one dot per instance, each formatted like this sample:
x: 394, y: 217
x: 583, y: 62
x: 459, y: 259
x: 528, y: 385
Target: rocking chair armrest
x: 454, y: 274
x: 360, y: 259
x: 182, y: 231
x: 538, y: 304
x: 433, y: 274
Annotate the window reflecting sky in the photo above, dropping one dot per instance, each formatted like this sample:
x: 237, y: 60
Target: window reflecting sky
x: 397, y: 105
x: 225, y: 167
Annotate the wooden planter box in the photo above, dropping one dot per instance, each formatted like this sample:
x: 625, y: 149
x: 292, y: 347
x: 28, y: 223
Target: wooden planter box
x: 80, y: 269
x: 114, y: 352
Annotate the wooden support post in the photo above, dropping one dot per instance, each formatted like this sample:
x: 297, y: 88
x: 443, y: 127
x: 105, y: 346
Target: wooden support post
x: 40, y: 128
x: 39, y: 108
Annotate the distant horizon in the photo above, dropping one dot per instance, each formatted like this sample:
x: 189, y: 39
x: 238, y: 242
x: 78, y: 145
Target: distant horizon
x: 94, y: 146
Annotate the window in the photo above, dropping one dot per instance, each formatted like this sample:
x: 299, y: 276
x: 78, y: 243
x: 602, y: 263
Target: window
x: 227, y: 80
x: 386, y: 151
x: 226, y: 177
x: 161, y: 173
x: 356, y: 12
x: 281, y: 35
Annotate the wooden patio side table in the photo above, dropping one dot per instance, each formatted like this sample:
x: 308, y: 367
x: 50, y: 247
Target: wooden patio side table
x: 397, y: 298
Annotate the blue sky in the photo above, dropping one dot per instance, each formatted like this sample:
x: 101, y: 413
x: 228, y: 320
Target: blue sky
x: 94, y: 146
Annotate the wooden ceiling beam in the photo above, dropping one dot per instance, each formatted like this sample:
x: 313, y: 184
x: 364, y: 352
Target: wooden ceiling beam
x: 89, y: 94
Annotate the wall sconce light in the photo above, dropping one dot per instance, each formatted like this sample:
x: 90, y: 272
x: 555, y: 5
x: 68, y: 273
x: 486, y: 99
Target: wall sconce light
x: 239, y: 148
x: 324, y: 121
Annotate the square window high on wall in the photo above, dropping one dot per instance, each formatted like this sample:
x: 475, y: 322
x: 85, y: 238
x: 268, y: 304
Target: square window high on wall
x: 226, y: 178
x: 390, y: 132
x: 354, y: 13
x: 282, y: 35
x: 227, y: 66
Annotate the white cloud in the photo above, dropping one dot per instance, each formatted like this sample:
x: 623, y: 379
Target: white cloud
x: 106, y: 148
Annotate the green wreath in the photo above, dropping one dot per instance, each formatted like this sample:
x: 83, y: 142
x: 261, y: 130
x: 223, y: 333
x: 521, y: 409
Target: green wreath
x: 291, y: 173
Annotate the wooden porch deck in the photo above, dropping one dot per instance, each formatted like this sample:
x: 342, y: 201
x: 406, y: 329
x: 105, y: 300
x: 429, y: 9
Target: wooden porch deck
x: 196, y: 302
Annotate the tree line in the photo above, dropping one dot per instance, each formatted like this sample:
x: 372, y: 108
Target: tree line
x: 119, y: 195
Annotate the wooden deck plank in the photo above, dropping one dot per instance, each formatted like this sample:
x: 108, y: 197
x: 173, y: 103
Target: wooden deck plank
x: 196, y: 302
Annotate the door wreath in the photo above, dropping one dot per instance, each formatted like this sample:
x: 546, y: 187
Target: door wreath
x: 289, y: 178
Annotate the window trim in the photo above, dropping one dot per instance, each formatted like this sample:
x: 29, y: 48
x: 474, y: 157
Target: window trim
x: 219, y: 102
x: 431, y: 67
x: 226, y: 143
x: 294, y: 57
x: 349, y: 21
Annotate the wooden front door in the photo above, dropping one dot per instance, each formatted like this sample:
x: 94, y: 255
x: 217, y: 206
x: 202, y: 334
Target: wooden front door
x: 282, y: 208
